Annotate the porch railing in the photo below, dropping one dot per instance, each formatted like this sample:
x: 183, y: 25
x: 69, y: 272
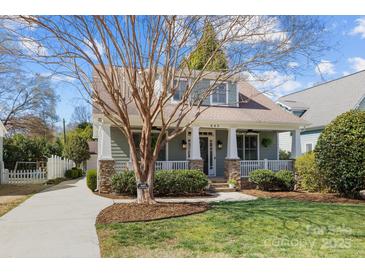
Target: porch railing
x: 171, y: 165
x: 160, y: 165
x: 247, y: 166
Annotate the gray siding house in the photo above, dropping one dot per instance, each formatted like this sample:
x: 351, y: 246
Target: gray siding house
x: 238, y: 131
x: 320, y: 104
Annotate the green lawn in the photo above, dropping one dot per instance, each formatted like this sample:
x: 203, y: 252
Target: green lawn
x: 260, y: 228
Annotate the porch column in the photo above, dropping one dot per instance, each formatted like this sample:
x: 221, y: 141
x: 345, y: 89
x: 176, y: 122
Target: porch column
x: 196, y: 161
x: 232, y: 144
x: 232, y: 162
x: 296, y: 147
x: 106, y: 163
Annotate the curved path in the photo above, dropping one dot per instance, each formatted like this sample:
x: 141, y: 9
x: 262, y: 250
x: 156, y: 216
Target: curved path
x: 60, y: 221
x: 57, y: 222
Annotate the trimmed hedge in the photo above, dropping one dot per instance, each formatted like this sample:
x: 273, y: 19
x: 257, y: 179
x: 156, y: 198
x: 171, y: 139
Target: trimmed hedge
x: 91, y: 179
x: 167, y: 182
x: 74, y: 173
x: 309, y: 177
x: 340, y: 153
x: 270, y: 181
x: 285, y: 179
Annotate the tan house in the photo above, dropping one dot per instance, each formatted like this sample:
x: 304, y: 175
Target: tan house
x: 238, y: 133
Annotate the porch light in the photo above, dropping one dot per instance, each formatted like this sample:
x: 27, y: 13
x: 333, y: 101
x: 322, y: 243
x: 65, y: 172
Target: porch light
x: 219, y: 144
x: 183, y: 144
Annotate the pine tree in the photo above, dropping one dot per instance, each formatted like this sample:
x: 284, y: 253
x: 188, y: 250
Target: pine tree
x: 206, y: 47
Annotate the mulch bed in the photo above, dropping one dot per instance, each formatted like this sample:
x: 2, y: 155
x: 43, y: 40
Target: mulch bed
x: 304, y: 196
x: 124, y: 213
x: 116, y: 196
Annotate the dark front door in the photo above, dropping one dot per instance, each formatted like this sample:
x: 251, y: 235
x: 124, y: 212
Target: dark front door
x: 204, y: 152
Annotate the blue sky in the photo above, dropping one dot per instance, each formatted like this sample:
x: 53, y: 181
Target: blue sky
x: 348, y: 56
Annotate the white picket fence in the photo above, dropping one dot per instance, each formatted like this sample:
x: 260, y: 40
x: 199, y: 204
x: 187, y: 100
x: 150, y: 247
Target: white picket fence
x: 56, y: 168
x: 24, y: 176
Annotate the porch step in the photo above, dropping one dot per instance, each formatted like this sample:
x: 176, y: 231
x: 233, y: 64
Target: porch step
x: 224, y: 189
x: 219, y: 185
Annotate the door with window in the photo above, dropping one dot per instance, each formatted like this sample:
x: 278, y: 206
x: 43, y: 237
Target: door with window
x: 207, y: 151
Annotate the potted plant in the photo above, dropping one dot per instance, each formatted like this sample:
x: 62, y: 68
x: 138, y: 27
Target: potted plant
x: 232, y: 183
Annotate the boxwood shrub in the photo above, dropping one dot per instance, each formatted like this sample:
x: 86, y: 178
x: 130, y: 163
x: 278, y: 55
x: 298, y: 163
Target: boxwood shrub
x: 270, y: 181
x: 340, y: 153
x: 167, y: 182
x: 285, y: 180
x: 91, y: 179
x: 264, y: 178
x: 74, y: 173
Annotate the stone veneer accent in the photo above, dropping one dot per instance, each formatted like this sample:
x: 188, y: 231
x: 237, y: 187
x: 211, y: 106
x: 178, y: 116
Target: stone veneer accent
x: 232, y: 170
x: 106, y: 171
x: 196, y: 164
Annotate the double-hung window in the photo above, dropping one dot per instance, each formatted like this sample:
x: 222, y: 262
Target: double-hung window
x: 219, y: 94
x: 181, y: 86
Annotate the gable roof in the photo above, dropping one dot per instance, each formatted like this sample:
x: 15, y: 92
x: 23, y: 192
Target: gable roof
x: 326, y: 101
x: 254, y: 109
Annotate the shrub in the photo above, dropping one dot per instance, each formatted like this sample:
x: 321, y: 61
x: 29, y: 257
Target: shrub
x: 178, y: 182
x: 309, y: 177
x: 167, y: 182
x: 340, y: 153
x: 285, y: 179
x: 91, y: 179
x: 74, y: 173
x: 284, y: 155
x: 124, y: 182
x: 265, y: 179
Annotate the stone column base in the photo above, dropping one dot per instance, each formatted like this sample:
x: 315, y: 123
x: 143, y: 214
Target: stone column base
x: 196, y: 164
x: 105, y: 172
x: 232, y: 170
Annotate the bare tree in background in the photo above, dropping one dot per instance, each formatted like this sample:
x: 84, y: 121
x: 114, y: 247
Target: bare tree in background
x: 134, y: 63
x: 81, y: 115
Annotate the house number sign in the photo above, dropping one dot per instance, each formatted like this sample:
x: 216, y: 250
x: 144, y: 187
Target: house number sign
x: 142, y: 186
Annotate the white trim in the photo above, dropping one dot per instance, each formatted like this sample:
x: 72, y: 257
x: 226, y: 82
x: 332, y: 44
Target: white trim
x: 244, y: 134
x: 277, y: 146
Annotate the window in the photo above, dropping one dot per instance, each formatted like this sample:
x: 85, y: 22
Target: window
x: 219, y: 94
x: 251, y: 147
x: 247, y: 147
x: 308, y: 148
x: 181, y: 87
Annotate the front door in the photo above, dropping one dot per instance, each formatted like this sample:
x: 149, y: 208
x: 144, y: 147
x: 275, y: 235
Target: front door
x: 204, y: 153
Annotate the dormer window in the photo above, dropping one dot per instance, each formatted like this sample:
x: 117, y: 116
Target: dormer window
x: 181, y: 87
x: 219, y: 94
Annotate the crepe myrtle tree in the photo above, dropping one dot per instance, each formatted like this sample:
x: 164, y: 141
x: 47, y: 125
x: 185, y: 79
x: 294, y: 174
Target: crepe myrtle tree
x: 136, y: 62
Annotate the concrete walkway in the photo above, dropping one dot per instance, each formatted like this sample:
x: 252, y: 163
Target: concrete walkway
x: 58, y: 222
x: 219, y: 197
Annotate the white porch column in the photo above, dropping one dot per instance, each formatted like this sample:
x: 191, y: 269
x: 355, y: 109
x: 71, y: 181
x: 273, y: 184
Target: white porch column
x: 232, y: 144
x: 296, y: 147
x: 104, y: 142
x: 195, y: 144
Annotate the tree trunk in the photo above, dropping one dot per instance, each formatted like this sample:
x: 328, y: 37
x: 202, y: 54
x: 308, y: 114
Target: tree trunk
x: 145, y: 189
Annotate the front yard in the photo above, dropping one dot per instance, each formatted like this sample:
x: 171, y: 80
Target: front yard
x: 13, y: 195
x: 260, y: 228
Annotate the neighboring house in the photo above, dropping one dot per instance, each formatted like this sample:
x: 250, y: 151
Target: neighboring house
x: 233, y: 136
x: 93, y: 149
x: 320, y: 104
x: 2, y: 134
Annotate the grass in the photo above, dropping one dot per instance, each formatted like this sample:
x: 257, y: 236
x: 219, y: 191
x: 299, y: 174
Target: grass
x: 13, y: 195
x: 260, y: 228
